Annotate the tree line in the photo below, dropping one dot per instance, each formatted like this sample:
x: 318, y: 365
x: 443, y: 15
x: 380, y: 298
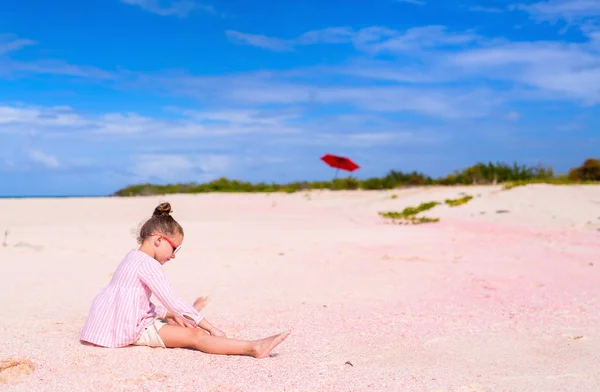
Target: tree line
x: 480, y: 173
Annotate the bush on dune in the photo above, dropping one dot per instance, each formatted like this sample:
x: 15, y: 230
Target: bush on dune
x: 589, y: 171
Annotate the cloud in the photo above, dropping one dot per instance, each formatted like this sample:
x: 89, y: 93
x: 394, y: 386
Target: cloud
x: 38, y: 156
x: 187, y: 144
x: 167, y: 167
x: 489, y: 10
x: 430, y: 102
x: 368, y: 139
x: 430, y: 71
x: 180, y: 8
x: 65, y: 121
x: 330, y: 35
x: 53, y: 67
x: 370, y: 39
x: 561, y: 70
x: 10, y: 43
x: 274, y: 89
x: 568, y: 10
x: 429, y: 57
x: 9, y: 67
x: 260, y: 41
x: 416, y: 2
x: 54, y: 117
x: 514, y: 115
x: 240, y: 116
x: 421, y: 38
x: 60, y: 123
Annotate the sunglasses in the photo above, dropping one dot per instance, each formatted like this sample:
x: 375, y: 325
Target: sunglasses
x: 175, y: 247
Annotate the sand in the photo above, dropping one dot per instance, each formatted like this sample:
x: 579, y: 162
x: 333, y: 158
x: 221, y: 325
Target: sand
x: 502, y: 294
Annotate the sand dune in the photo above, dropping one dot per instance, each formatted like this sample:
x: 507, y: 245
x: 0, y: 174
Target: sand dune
x: 501, y: 294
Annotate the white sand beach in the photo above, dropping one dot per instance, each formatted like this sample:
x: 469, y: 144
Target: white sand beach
x: 502, y: 294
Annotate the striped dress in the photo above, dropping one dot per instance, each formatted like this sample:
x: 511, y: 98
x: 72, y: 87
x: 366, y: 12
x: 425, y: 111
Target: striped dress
x: 121, y: 311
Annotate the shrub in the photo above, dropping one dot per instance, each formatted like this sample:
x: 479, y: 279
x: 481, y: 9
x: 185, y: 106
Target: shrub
x: 409, y: 214
x: 589, y: 171
x: 458, y: 202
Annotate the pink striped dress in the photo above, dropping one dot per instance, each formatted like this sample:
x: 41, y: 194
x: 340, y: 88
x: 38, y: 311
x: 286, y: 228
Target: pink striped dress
x: 121, y: 311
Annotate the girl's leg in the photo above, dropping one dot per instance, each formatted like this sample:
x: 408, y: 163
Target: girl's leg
x: 196, y: 338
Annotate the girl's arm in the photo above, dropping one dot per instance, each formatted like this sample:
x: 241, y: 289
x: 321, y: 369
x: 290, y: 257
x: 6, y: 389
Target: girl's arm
x: 204, y: 324
x: 152, y: 275
x: 211, y: 329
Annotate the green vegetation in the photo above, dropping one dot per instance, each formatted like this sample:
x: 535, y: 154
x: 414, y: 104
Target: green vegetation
x: 458, y: 202
x: 481, y: 173
x: 409, y: 214
x: 588, y: 173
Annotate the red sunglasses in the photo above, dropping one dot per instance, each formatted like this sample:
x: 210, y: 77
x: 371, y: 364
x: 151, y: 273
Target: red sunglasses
x: 175, y: 247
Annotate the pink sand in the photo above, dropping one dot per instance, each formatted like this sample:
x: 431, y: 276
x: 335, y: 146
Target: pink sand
x: 480, y: 301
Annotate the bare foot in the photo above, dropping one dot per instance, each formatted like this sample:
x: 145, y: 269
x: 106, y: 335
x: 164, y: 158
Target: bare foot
x: 201, y: 302
x: 263, y: 347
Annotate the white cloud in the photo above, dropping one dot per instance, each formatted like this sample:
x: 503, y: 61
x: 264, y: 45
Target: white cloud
x: 420, y: 38
x: 38, y: 156
x: 427, y: 58
x: 9, y: 165
x: 219, y: 142
x: 431, y: 102
x: 53, y: 67
x: 213, y: 164
x: 417, y: 2
x: 569, y: 10
x: 392, y: 72
x: 558, y: 70
x: 241, y: 116
x: 275, y: 89
x: 64, y: 121
x: 174, y: 168
x: 180, y: 8
x: 489, y: 10
x: 9, y: 43
x: 564, y: 70
x: 572, y: 126
x: 8, y: 66
x: 129, y: 123
x: 330, y: 35
x: 58, y: 116
x: 514, y: 115
x: 369, y: 39
x: 261, y: 41
x: 162, y: 167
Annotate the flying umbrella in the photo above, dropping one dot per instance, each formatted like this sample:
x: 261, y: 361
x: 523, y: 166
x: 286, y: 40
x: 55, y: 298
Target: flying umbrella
x: 339, y: 162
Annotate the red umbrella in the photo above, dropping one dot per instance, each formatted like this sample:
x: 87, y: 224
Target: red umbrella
x: 339, y: 163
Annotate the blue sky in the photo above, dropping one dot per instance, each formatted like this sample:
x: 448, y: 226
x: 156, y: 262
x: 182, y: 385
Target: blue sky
x: 101, y: 94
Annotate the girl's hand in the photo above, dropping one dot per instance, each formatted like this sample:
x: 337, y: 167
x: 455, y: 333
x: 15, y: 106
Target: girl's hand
x: 217, y: 332
x: 200, y: 303
x: 175, y: 321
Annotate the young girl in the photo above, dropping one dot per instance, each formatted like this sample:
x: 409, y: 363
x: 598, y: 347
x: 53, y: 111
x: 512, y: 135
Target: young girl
x: 122, y: 313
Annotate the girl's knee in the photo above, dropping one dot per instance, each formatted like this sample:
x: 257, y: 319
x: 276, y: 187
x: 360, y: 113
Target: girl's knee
x: 197, y: 335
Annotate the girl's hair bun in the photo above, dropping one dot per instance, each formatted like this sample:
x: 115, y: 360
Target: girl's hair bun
x: 163, y: 210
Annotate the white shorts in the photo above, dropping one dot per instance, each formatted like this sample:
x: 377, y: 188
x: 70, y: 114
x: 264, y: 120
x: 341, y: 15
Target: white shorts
x: 150, y: 335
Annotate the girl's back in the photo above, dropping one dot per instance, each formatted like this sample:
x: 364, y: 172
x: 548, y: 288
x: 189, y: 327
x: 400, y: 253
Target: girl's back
x: 122, y: 309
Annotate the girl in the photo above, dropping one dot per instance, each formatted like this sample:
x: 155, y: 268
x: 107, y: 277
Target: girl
x: 122, y: 313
